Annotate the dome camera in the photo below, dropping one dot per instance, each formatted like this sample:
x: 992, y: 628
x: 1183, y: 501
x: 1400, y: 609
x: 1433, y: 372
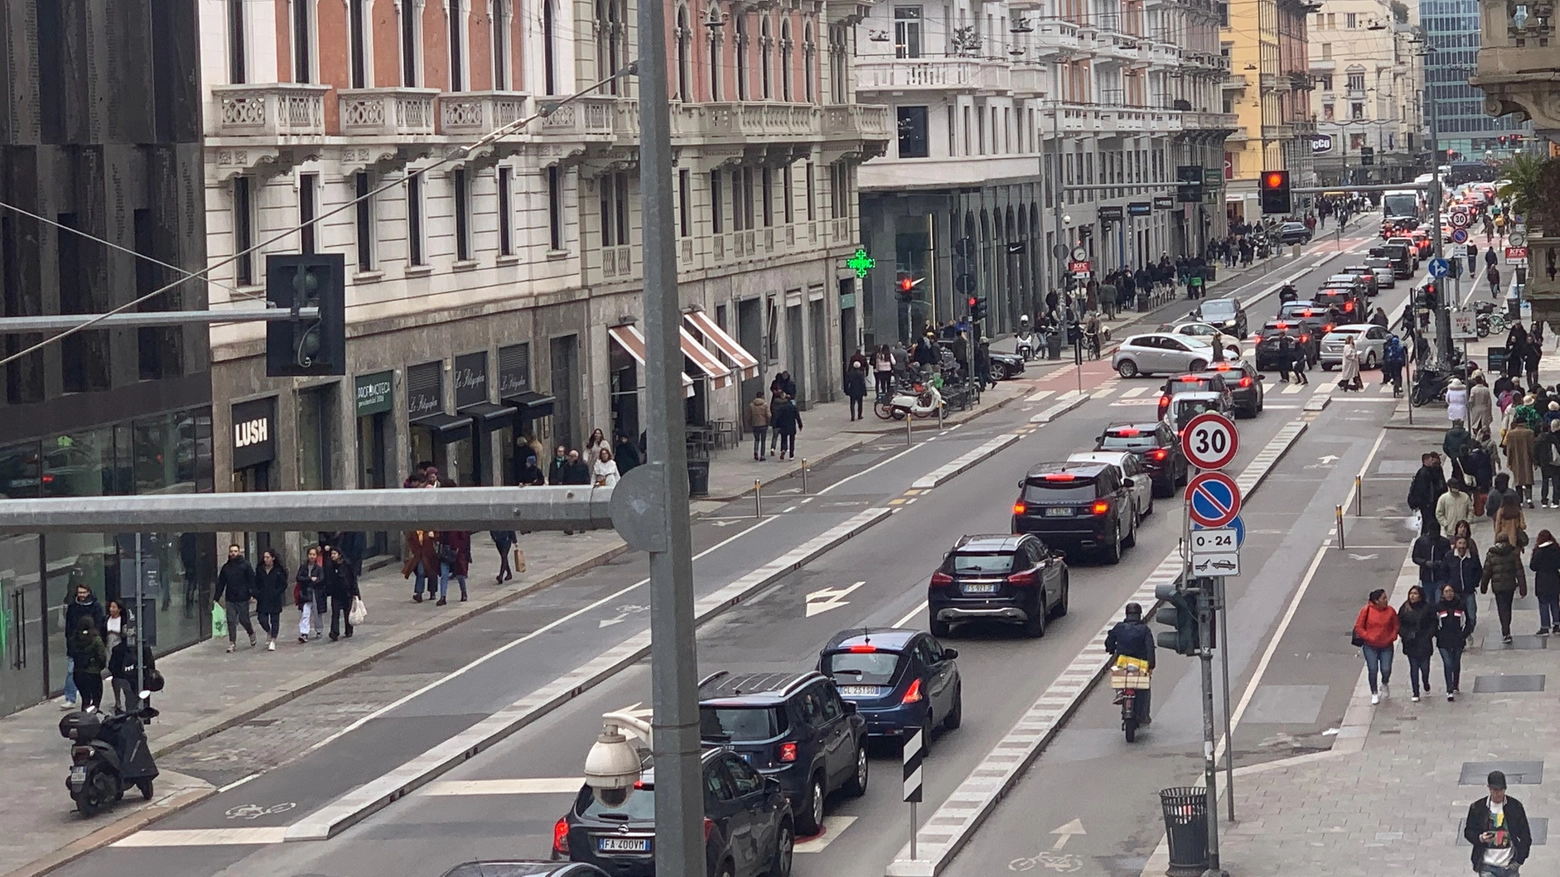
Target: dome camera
x: 612, y: 766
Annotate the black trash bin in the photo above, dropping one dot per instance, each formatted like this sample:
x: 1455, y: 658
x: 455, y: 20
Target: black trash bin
x: 1186, y: 827
x: 1053, y: 345
x: 698, y: 477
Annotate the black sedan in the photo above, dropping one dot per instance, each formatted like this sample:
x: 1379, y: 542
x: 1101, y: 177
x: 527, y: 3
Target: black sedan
x: 1245, y: 386
x: 1005, y: 366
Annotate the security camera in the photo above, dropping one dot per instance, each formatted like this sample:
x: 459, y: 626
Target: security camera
x: 612, y: 765
x: 613, y: 798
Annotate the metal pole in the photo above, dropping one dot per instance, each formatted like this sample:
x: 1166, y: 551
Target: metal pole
x: 907, y: 429
x: 912, y: 831
x: 1061, y: 246
x: 1338, y: 514
x: 134, y: 621
x: 1210, y: 764
x: 679, y: 795
x: 804, y: 476
x: 1223, y: 620
x: 758, y: 500
x: 1443, y: 314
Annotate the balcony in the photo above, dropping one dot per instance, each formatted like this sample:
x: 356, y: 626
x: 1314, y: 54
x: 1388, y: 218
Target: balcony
x: 1202, y: 121
x: 1517, y: 62
x: 1236, y: 82
x: 478, y: 112
x: 278, y: 113
x: 957, y: 75
x: 596, y: 119
x: 387, y: 112
x: 1030, y: 80
x: 1278, y: 132
x: 1322, y: 65
x: 1053, y: 37
x: 746, y: 122
x: 856, y: 122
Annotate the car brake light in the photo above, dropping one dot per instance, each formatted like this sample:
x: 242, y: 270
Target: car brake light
x: 1158, y: 454
x: 709, y: 828
x: 1221, y: 367
x: 561, y: 837
x: 1327, y: 328
x: 1305, y: 337
x: 1281, y: 326
x: 1128, y: 433
x: 1164, y: 403
x: 1190, y: 379
x: 1256, y: 336
x: 941, y: 580
x: 1021, y: 578
x: 1100, y: 507
x: 1245, y: 382
x: 914, y: 694
x: 863, y: 649
x: 787, y: 752
x: 1019, y: 508
x: 1059, y: 476
x: 1348, y: 306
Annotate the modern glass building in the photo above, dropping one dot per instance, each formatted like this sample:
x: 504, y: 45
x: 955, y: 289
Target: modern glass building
x: 1455, y: 107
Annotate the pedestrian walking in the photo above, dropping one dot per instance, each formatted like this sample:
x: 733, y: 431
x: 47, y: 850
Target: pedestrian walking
x: 1349, y: 377
x: 1546, y: 453
x: 85, y: 605
x: 558, y: 466
x: 1425, y: 492
x: 116, y: 627
x: 787, y: 422
x: 1503, y: 574
x: 597, y: 440
x: 1510, y: 521
x: 91, y: 661
x: 1545, y: 565
x: 856, y: 390
x: 236, y: 583
x: 1430, y: 553
x: 1518, y: 445
x: 503, y: 540
x: 1492, y: 276
x: 626, y: 455
x: 1497, y: 827
x: 758, y: 422
x: 1456, y: 401
x: 309, y: 595
x: 123, y: 675
x: 455, y: 559
x: 271, y: 594
x: 341, y: 585
x: 1375, y: 631
x: 1454, y: 507
x: 422, y: 560
x: 530, y: 474
x: 882, y: 370
x: 1299, y: 360
x: 604, y: 472
x: 1416, y: 628
x: 1453, y: 627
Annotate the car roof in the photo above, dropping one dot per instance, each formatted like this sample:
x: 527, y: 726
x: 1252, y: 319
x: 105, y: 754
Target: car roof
x: 1277, y: 323
x: 752, y: 689
x: 1206, y: 374
x: 888, y: 639
x: 1086, y: 469
x: 1200, y: 396
x: 989, y: 542
x: 1353, y: 327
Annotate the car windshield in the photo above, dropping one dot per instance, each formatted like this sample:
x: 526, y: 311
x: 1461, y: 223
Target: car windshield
x: 639, y: 807
x: 1219, y: 308
x: 739, y: 723
x: 1075, y: 490
x: 864, y: 668
x: 1135, y: 440
x: 1340, y: 334
x: 1379, y: 263
x: 981, y: 562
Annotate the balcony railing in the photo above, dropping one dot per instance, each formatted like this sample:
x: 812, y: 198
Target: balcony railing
x: 852, y: 121
x: 274, y: 111
x: 387, y: 112
x: 478, y: 112
x: 746, y: 121
x: 932, y: 74
x: 593, y: 118
x: 1030, y: 81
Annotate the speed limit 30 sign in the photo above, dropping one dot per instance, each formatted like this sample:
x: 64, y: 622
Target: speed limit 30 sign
x: 1210, y: 441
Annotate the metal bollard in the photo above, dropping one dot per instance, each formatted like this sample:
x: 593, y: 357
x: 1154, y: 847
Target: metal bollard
x: 1338, y: 514
x: 907, y: 429
x: 758, y: 500
x: 1359, y: 497
x: 804, y: 476
x: 940, y: 413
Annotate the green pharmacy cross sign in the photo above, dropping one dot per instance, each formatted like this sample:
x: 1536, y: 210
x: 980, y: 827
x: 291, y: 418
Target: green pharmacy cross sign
x: 861, y: 263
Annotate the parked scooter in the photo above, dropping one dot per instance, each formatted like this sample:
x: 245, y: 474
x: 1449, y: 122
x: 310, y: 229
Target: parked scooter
x: 107, y: 754
x: 918, y: 400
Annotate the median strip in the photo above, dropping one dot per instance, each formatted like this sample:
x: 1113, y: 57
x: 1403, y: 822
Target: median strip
x: 1065, y: 403
x: 964, y: 463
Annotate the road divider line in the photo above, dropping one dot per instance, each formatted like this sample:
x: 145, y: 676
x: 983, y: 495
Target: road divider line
x: 1070, y: 400
x: 375, y: 795
x: 956, y: 820
x: 963, y: 464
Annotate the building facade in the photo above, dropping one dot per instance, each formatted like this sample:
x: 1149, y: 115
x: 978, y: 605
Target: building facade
x: 1465, y: 128
x: 1516, y: 65
x: 1269, y: 90
x: 101, y: 146
x: 492, y: 300
x: 989, y: 99
x: 1366, y: 94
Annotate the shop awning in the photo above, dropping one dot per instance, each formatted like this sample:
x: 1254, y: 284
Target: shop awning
x: 744, y: 362
x: 489, y: 415
x: 445, y: 427
x: 632, y: 341
x: 532, y: 404
x: 707, y: 362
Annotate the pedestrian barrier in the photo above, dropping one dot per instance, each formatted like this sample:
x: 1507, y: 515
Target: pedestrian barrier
x: 804, y: 476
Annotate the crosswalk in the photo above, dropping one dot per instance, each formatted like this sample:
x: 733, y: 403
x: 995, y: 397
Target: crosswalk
x: 1117, y: 392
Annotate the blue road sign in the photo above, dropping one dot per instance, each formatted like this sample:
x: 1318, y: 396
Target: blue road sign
x: 1213, y: 499
x: 1439, y: 268
x: 1237, y: 524
x: 1459, y: 235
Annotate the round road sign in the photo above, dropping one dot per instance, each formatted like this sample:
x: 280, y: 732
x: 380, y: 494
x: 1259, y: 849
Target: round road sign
x: 1459, y: 235
x: 1212, y: 499
x: 1460, y: 219
x: 1210, y: 441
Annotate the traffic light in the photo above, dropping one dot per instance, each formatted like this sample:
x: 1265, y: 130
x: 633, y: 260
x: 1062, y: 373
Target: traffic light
x: 1427, y: 297
x: 905, y: 287
x: 1179, y: 613
x: 1275, y: 192
x: 1189, y: 183
x: 306, y: 346
x: 1502, y: 140
x: 977, y: 309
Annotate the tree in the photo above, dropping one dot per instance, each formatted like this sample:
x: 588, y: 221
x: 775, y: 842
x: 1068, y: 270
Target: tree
x: 1399, y: 12
x: 1525, y: 189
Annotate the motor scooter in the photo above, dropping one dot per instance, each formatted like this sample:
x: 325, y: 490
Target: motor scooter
x: 1128, y: 677
x: 107, y: 754
x: 1024, y: 339
x: 919, y: 400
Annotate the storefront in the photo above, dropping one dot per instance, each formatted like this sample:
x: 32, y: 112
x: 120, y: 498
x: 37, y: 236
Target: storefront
x: 533, y: 411
x: 492, y: 424
x: 436, y: 436
x: 374, y: 398
x: 254, y: 459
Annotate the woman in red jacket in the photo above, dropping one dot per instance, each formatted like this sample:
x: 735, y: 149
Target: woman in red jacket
x: 1375, y: 630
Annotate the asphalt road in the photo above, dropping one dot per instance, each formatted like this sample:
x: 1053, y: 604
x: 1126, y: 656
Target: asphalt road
x: 563, y: 627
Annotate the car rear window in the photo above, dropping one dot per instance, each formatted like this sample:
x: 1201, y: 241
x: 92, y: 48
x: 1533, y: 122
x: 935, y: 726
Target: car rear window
x: 1291, y: 310
x: 1193, y: 385
x: 639, y: 807
x: 1039, y: 490
x: 868, y: 668
x: 1137, y: 440
x: 740, y: 724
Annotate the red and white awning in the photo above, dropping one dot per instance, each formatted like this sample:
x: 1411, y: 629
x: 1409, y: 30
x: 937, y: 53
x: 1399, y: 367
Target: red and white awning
x: 632, y: 341
x: 743, y: 361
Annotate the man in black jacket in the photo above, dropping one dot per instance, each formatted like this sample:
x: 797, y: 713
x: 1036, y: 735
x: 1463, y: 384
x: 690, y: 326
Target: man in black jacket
x: 1497, y: 827
x: 576, y: 470
x: 85, y: 605
x: 557, y: 468
x: 1430, y: 555
x: 1425, y: 492
x: 1132, y: 638
x: 236, y: 582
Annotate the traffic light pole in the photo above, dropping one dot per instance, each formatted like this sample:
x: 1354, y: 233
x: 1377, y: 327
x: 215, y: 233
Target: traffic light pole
x: 1443, y: 312
x: 1205, y: 613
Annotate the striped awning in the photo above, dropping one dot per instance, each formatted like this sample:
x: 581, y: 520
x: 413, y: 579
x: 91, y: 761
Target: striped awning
x: 632, y: 341
x: 744, y: 362
x: 707, y: 362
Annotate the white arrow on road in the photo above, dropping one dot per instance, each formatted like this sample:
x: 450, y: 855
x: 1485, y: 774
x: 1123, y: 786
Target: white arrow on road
x: 1363, y: 556
x: 623, y: 613
x: 790, y: 490
x: 829, y: 598
x: 1328, y: 460
x: 1066, y: 832
x: 726, y: 522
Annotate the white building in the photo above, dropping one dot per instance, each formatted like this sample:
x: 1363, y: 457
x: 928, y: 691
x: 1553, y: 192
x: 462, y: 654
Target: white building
x: 1367, y: 92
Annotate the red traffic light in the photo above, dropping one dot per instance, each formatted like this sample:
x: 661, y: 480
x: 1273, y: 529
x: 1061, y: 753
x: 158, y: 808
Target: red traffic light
x: 906, y: 284
x: 974, y: 301
x: 1275, y: 179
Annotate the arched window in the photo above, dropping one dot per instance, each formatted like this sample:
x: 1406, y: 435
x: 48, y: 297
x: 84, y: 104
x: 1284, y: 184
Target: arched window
x: 715, y: 62
x: 609, y: 41
x: 766, y: 46
x: 549, y: 47
x: 809, y: 58
x: 742, y: 55
x: 786, y: 73
x: 684, y: 62
x: 838, y: 41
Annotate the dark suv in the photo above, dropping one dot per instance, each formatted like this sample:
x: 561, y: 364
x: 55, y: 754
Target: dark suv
x: 1003, y: 578
x: 1157, y: 449
x: 900, y: 680
x: 793, y: 727
x: 1210, y: 381
x: 1078, y: 506
x: 749, y: 830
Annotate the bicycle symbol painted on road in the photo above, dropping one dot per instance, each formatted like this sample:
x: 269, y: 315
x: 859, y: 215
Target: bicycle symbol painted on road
x: 255, y: 811
x: 1061, y: 862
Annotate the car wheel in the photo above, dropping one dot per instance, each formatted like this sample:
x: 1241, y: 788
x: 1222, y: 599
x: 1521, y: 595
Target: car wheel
x: 1196, y: 365
x: 810, y: 821
x: 1127, y: 368
x: 856, y: 786
x: 146, y: 789
x: 785, y: 848
x: 1113, y: 554
x: 1327, y: 366
x: 939, y: 629
x: 955, y: 716
x: 1132, y: 536
x: 1164, y: 488
x: 927, y: 727
x: 1370, y: 360
x: 1061, y: 605
x: 1034, y: 626
x: 1181, y: 481
x: 1001, y: 373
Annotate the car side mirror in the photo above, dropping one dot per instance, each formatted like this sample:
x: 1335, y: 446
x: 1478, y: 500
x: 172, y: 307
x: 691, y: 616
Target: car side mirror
x: 850, y: 707
x: 1261, y: 377
x: 950, y: 654
x: 1129, y: 481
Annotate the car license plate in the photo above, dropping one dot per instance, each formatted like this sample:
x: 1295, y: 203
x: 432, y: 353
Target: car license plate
x: 1058, y: 513
x: 623, y: 844
x: 980, y: 589
x: 78, y: 774
x: 858, y: 690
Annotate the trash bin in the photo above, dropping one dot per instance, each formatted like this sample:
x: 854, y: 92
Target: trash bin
x: 1186, y: 827
x: 698, y: 477
x: 1144, y: 302
x: 1513, y: 308
x: 1210, y: 273
x: 1053, y: 345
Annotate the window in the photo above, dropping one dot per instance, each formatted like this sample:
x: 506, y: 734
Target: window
x: 742, y: 55
x: 1356, y: 111
x: 1357, y: 81
x: 746, y: 780
x: 411, y: 38
x: 980, y: 131
x: 715, y: 224
x: 839, y: 62
x: 684, y: 205
x: 1351, y: 20
x: 1326, y: 51
x: 714, y: 65
x: 785, y: 59
x: 238, y: 40
x: 461, y: 183
x: 614, y: 210
x: 501, y: 45
x: 1327, y: 112
x: 243, y: 231
x: 766, y: 47
x: 912, y: 132
x: 302, y: 41
x: 907, y: 31
x: 812, y: 186
x: 839, y: 190
x: 808, y: 51
x: 1331, y: 20
x: 414, y: 221
x: 362, y: 185
x: 357, y: 41
x: 767, y: 183
x: 684, y: 63
x: 554, y: 209
x: 609, y: 41
x: 506, y: 219
x: 457, y: 46
x: 786, y: 201
x: 953, y: 131
x: 1326, y: 82
x: 742, y: 199
x: 549, y: 63
x: 967, y: 129
x: 308, y: 192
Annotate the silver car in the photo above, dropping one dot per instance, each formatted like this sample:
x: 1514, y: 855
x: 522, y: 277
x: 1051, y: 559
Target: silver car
x: 1385, y: 279
x: 1161, y: 353
x: 1142, y: 483
x: 1369, y: 339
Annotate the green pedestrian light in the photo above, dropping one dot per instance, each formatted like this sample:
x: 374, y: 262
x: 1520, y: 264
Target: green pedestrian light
x: 861, y: 263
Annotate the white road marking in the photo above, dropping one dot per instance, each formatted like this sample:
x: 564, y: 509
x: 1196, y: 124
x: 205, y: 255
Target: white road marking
x: 833, y: 827
x: 1041, y: 396
x: 824, y: 599
x: 919, y: 608
x: 1294, y: 388
x: 1133, y: 392
x: 877, y: 465
x: 205, y: 837
x: 525, y: 786
x: 945, y: 472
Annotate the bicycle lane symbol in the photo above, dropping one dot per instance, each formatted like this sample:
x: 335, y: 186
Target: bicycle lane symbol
x: 1059, y: 862
x: 255, y: 811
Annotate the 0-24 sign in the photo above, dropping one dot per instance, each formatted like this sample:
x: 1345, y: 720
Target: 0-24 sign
x: 1210, y: 441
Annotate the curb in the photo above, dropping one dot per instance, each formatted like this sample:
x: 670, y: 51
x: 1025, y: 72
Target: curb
x: 375, y: 795
x: 956, y: 821
x: 963, y: 464
x: 1059, y: 409
x: 113, y: 832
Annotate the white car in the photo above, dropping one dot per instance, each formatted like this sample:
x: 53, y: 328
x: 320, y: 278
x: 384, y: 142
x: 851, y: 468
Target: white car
x: 1369, y: 339
x: 1130, y: 467
x: 1161, y: 353
x: 1207, y: 332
